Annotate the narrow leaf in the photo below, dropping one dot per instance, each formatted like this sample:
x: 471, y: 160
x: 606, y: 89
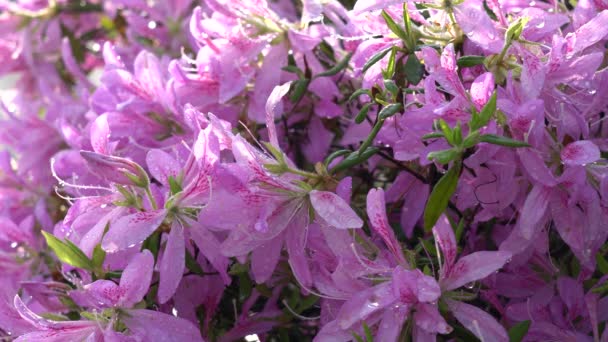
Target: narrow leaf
x: 519, y: 331
x: 67, y: 252
x: 341, y: 65
x: 375, y: 58
x: 392, y: 25
x: 440, y: 196
x: 502, y: 141
x: 470, y: 61
x: 390, y: 110
x: 355, y: 158
x: 360, y: 92
x: 363, y: 113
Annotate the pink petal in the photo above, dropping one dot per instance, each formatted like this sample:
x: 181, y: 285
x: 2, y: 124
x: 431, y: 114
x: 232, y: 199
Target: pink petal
x: 533, y: 210
x: 333, y: 210
x: 100, y: 134
x: 477, y: 25
x: 162, y: 166
x: 474, y: 267
x: 373, y: 5
x: 172, y: 264
x: 444, y: 236
x: 482, y: 89
x: 295, y: 242
x: 265, y: 80
x: 590, y: 33
x: 274, y: 109
x: 414, y: 286
x: 428, y: 318
x: 210, y: 248
x: 265, y: 258
x: 479, y: 322
x: 130, y: 230
x: 136, y: 278
x: 391, y: 323
x: 156, y: 326
x: 364, y: 303
x: 376, y: 211
x: 535, y: 166
x: 580, y: 153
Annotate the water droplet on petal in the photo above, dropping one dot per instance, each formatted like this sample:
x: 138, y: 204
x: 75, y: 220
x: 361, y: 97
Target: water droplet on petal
x: 152, y: 25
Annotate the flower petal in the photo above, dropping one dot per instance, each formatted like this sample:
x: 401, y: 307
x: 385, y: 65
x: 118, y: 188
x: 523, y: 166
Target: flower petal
x: 331, y: 208
x: 156, y: 326
x: 474, y: 267
x: 132, y: 229
x: 444, y: 236
x: 172, y: 264
x: 136, y: 278
x: 479, y: 322
x: 580, y: 153
x: 376, y: 211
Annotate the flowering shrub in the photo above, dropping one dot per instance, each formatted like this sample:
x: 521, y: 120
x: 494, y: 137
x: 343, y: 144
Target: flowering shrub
x: 297, y: 170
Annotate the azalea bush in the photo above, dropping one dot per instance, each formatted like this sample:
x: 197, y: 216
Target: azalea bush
x: 295, y: 170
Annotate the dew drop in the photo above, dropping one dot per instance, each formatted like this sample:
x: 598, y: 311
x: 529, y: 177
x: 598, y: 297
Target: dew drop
x: 152, y: 25
x: 14, y: 244
x: 470, y: 285
x: 540, y: 25
x: 103, y: 206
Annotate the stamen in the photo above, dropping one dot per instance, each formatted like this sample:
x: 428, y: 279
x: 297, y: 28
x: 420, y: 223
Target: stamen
x: 304, y: 318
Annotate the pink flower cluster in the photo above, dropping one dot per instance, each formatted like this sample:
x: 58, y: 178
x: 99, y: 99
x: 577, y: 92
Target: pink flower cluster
x: 378, y: 170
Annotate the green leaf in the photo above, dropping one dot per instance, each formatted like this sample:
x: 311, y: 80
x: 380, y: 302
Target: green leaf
x: 355, y: 158
x: 336, y: 154
x: 444, y: 156
x: 299, y: 89
x: 392, y: 63
x: 67, y: 252
x: 470, y: 61
x: 414, y: 70
x: 174, y: 185
x: 489, y: 11
x: 488, y: 110
x: 375, y: 58
x: 430, y: 247
x: 363, y: 113
x: 341, y: 65
x: 369, y: 337
x: 358, y: 93
x: 459, y: 230
x: 392, y: 25
x: 471, y: 140
x: 479, y: 120
x: 440, y: 196
x: 152, y: 243
x: 457, y: 134
x: 390, y: 110
x: 433, y: 135
x: 447, y: 132
x: 519, y: 331
x: 392, y: 87
x: 357, y: 337
x: 99, y: 256
x: 602, y: 264
x: 502, y: 141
